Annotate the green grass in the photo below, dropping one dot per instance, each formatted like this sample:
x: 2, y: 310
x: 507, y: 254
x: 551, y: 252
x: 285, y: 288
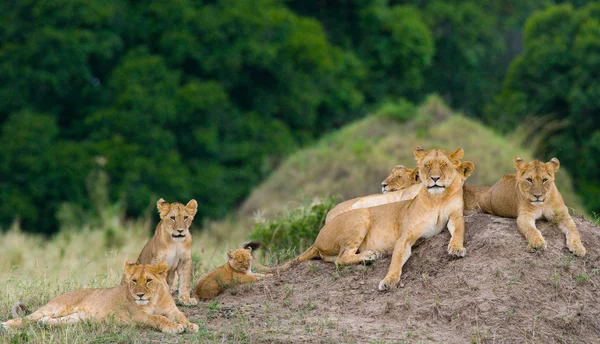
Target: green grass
x: 353, y: 161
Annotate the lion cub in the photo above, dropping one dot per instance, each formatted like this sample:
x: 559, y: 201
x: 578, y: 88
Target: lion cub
x: 530, y: 195
x: 236, y: 271
x: 143, y: 300
x: 172, y: 243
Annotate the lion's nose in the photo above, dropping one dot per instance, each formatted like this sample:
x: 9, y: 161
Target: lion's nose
x: 139, y: 295
x: 435, y: 179
x: 180, y: 230
x: 537, y: 196
x: 384, y: 185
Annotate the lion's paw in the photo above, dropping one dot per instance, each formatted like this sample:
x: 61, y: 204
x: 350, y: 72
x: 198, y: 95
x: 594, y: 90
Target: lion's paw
x: 388, y: 283
x: 370, y: 256
x: 455, y: 250
x: 191, y: 327
x: 173, y: 328
x: 188, y: 301
x: 537, y: 244
x: 576, y: 247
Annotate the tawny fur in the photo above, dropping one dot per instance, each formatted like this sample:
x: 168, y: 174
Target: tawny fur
x: 144, y: 300
x: 172, y: 243
x: 363, y: 235
x: 516, y: 196
x: 403, y: 181
x: 236, y: 271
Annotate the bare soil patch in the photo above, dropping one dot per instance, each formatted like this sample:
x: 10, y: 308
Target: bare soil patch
x: 498, y: 293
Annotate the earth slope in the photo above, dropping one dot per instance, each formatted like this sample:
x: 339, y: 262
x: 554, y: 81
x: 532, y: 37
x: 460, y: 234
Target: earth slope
x: 497, y: 293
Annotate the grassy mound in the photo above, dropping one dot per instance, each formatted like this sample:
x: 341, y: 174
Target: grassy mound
x: 353, y: 161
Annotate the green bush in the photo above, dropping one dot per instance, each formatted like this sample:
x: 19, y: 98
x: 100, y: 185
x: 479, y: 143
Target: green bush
x: 402, y: 110
x: 294, y: 230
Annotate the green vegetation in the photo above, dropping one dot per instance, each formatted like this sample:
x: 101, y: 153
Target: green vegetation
x: 294, y: 230
x: 204, y: 99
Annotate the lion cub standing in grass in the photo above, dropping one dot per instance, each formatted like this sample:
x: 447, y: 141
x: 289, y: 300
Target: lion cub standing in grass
x: 143, y: 300
x: 530, y: 195
x: 236, y: 271
x: 172, y: 243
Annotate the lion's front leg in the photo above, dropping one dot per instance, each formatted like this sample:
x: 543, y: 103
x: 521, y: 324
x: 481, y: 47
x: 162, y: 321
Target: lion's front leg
x: 402, y: 251
x: 456, y: 226
x: 158, y: 322
x: 526, y: 225
x: 567, y: 226
x: 174, y: 314
x: 184, y: 272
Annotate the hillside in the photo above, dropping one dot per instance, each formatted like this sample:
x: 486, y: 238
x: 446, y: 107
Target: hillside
x: 353, y: 161
x: 497, y: 293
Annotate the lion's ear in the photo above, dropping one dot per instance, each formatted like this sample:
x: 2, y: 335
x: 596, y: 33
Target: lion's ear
x: 162, y: 270
x: 419, y: 152
x: 466, y: 168
x: 192, y: 207
x: 229, y: 255
x: 519, y: 163
x: 458, y: 154
x: 398, y: 167
x: 553, y: 164
x: 128, y: 268
x: 414, y: 175
x: 163, y: 208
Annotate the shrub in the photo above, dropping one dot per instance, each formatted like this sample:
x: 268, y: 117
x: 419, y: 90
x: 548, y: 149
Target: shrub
x: 401, y: 110
x: 293, y: 230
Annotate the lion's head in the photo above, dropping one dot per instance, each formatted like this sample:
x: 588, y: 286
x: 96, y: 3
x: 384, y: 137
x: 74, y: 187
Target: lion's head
x: 240, y: 259
x: 400, y: 178
x: 145, y: 281
x: 535, y: 179
x: 176, y: 217
x: 438, y: 170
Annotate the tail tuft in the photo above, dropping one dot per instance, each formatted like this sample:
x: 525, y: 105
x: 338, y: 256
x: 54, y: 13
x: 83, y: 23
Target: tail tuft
x: 19, y: 306
x: 254, y: 245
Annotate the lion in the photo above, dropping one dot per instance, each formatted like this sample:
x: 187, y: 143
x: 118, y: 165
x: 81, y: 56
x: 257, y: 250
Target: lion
x: 363, y: 235
x: 172, y: 243
x: 531, y: 194
x: 144, y: 300
x: 237, y: 270
x: 402, y: 180
x: 396, y: 182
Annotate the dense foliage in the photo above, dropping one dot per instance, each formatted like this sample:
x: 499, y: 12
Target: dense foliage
x: 202, y: 99
x: 294, y: 230
x: 557, y: 79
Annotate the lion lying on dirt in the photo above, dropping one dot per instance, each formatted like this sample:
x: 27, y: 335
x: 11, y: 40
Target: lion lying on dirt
x: 144, y: 300
x: 400, y: 181
x: 363, y: 235
x: 530, y: 195
x: 172, y: 243
x: 237, y: 270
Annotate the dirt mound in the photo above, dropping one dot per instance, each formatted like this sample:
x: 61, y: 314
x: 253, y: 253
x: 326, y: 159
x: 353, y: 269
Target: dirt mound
x: 497, y: 293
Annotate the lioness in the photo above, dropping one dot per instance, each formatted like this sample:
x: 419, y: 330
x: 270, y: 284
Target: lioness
x: 144, y: 300
x: 362, y: 235
x: 172, y: 243
x: 530, y: 195
x: 396, y: 182
x: 400, y: 181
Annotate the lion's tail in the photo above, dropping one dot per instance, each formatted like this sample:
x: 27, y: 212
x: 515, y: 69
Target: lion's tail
x: 19, y: 306
x: 312, y: 252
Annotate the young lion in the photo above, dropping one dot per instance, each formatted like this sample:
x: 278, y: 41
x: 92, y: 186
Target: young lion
x: 236, y: 271
x: 172, y: 243
x: 362, y: 235
x: 144, y: 300
x: 401, y: 180
x: 530, y: 195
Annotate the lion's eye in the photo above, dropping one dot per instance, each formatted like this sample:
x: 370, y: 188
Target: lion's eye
x: 134, y: 282
x: 544, y: 180
x: 148, y: 281
x: 185, y: 217
x: 530, y: 180
x: 173, y: 218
